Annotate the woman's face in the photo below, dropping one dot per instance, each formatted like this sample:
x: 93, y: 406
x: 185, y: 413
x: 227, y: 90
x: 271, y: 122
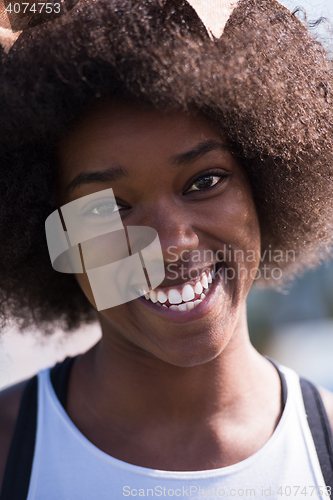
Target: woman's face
x: 179, y: 177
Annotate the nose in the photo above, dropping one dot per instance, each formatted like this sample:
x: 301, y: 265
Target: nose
x: 174, y: 227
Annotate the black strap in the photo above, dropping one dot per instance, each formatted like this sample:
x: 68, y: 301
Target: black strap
x: 284, y: 389
x: 320, y: 428
x: 20, y: 458
x: 318, y: 422
x: 19, y: 464
x: 59, y: 377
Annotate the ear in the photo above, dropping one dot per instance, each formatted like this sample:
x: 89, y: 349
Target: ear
x: 214, y: 14
x: 7, y: 36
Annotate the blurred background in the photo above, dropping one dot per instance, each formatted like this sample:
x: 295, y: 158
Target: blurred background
x: 295, y: 328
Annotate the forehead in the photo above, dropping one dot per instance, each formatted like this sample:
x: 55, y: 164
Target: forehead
x: 123, y: 129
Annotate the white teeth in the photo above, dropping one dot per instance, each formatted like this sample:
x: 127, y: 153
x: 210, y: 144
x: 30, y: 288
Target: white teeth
x: 188, y: 306
x: 204, y: 280
x: 153, y: 296
x: 174, y: 296
x: 182, y: 307
x: 161, y: 297
x: 185, y: 307
x: 198, y: 287
x: 187, y: 293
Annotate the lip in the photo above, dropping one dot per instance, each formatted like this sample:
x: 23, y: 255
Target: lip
x: 194, y: 314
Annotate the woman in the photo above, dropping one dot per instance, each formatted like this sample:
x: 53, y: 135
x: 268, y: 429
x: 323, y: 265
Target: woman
x: 222, y: 146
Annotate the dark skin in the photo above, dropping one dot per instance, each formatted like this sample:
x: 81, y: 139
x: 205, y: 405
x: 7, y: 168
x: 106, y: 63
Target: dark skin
x: 156, y: 391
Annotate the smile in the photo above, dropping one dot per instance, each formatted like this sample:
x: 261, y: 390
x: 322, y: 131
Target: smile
x: 184, y: 297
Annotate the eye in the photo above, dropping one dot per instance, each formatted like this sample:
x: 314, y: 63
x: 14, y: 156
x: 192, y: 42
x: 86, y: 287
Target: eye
x: 105, y: 209
x: 101, y: 209
x: 206, y: 182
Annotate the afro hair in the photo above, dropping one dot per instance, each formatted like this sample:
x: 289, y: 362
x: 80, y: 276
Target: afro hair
x: 265, y: 83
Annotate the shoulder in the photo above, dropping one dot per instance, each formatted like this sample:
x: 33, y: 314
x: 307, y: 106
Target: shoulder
x: 327, y: 397
x: 10, y: 399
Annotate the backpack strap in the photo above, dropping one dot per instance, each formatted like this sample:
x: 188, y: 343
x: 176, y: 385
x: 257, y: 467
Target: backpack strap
x: 284, y: 388
x: 20, y: 458
x: 59, y: 375
x: 19, y: 464
x: 320, y: 428
x: 318, y: 422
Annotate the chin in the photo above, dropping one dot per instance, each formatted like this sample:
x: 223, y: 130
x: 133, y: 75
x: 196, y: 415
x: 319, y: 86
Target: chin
x: 186, y: 347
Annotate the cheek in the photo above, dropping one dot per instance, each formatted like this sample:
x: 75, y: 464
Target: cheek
x: 235, y: 221
x: 235, y: 226
x: 242, y: 215
x: 83, y: 281
x: 249, y: 229
x: 246, y: 242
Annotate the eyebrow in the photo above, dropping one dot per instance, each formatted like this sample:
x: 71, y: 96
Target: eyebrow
x: 196, y: 153
x: 119, y: 172
x: 108, y: 175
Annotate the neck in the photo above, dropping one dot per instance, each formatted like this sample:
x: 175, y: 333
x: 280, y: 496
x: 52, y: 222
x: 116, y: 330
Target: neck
x: 131, y: 385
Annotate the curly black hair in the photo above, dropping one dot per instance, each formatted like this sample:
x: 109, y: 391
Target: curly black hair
x: 265, y: 83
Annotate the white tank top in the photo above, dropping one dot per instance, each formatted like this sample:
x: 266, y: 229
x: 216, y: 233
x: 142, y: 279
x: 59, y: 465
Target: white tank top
x: 66, y: 466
